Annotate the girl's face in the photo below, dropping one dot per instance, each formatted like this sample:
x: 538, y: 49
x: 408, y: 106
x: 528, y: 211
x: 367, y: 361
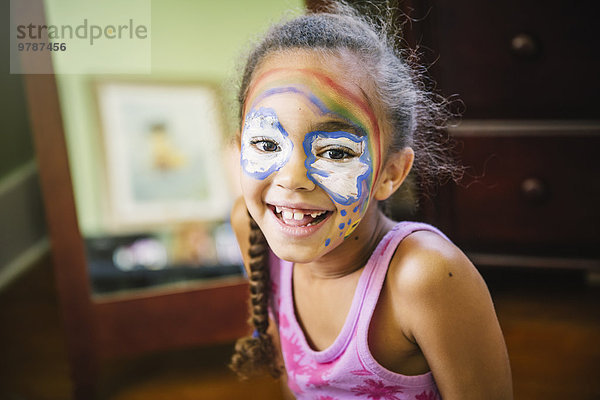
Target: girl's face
x: 311, y: 153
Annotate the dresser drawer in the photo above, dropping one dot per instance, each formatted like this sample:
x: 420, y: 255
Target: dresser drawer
x: 514, y: 58
x: 530, y: 188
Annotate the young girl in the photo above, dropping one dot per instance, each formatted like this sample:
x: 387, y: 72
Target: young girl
x: 361, y: 307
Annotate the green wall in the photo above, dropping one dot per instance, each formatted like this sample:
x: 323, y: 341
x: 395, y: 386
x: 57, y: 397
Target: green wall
x: 191, y: 41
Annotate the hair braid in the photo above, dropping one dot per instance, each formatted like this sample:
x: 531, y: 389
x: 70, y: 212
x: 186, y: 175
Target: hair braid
x: 256, y: 353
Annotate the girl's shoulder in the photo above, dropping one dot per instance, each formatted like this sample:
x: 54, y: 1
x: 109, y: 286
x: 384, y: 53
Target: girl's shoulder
x: 429, y: 271
x: 441, y: 304
x: 427, y: 258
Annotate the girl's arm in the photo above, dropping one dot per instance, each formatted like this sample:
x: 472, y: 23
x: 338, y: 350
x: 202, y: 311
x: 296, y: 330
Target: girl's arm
x: 240, y: 222
x: 451, y: 318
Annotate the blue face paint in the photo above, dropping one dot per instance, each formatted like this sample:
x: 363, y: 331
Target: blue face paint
x: 345, y: 179
x: 293, y: 89
x: 266, y: 146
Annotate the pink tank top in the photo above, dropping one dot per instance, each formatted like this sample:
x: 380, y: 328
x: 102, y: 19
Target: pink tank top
x: 346, y: 369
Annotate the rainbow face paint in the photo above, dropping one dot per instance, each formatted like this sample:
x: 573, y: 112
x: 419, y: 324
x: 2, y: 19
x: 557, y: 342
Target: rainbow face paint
x: 326, y: 96
x: 266, y: 146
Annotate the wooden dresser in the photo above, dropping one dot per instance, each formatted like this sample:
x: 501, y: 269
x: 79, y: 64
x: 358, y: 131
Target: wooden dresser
x: 528, y: 74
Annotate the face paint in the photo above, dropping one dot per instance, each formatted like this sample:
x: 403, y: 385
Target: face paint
x: 298, y: 89
x: 266, y: 146
x: 328, y: 95
x: 342, y: 146
x: 340, y: 163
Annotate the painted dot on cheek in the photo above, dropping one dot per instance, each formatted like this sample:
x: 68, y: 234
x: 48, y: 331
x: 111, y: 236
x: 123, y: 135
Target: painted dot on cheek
x: 342, y: 225
x: 349, y: 222
x: 355, y: 209
x: 343, y: 213
x: 327, y: 242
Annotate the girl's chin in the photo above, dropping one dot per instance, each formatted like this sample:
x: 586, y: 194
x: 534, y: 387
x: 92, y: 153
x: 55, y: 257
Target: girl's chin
x: 295, y: 254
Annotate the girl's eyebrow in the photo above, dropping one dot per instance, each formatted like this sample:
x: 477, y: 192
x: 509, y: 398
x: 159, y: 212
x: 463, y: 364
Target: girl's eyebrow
x: 334, y: 126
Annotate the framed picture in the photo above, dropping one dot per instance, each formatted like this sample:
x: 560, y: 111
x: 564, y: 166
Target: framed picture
x: 163, y: 154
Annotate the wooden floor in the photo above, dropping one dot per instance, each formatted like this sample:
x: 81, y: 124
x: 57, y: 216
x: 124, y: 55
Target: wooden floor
x: 551, y: 322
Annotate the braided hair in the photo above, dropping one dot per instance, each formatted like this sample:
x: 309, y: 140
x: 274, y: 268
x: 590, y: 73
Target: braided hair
x: 256, y: 353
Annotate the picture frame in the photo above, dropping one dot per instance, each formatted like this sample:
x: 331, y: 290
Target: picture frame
x: 163, y: 161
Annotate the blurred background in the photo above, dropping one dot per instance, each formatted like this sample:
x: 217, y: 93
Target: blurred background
x: 120, y: 277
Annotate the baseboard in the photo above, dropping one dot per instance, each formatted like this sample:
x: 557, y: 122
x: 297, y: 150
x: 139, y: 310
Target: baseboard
x: 29, y: 257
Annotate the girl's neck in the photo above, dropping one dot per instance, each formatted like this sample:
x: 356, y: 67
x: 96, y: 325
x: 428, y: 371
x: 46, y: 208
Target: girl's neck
x: 354, y: 252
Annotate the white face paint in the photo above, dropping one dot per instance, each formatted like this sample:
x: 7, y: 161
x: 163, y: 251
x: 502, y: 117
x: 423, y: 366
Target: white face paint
x: 266, y: 146
x: 339, y: 162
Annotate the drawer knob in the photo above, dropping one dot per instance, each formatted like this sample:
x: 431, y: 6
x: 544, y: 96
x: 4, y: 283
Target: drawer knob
x: 524, y: 45
x: 535, y: 190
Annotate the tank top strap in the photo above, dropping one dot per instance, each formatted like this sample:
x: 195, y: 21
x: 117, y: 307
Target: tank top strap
x: 276, y: 270
x: 378, y: 272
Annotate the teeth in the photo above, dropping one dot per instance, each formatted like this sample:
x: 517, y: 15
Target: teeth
x: 298, y: 216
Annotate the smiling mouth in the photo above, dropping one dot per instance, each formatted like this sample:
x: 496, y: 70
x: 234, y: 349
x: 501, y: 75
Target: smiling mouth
x: 298, y: 217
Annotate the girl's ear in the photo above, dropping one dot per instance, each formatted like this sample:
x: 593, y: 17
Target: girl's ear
x: 395, y: 171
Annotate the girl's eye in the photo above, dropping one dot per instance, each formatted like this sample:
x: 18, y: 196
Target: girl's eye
x: 265, y: 145
x: 336, y: 154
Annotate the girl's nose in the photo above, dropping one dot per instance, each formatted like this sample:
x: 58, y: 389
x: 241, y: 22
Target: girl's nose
x: 293, y: 174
